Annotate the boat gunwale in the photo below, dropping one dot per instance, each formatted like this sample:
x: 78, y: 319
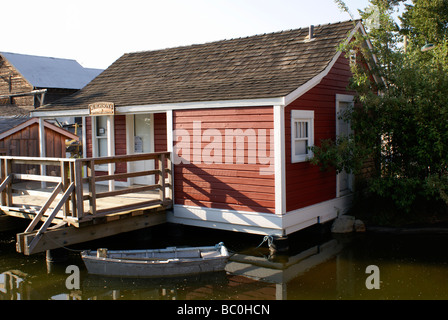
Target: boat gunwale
x: 87, y: 254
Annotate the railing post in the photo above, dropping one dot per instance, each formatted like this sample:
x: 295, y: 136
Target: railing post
x: 8, y: 171
x: 79, y: 203
x: 64, y: 179
x: 162, y: 192
x: 170, y: 177
x: 74, y: 212
x: 92, y: 191
x: 2, y: 177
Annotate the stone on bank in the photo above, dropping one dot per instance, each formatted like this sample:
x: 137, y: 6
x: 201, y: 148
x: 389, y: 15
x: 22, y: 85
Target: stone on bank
x: 347, y: 224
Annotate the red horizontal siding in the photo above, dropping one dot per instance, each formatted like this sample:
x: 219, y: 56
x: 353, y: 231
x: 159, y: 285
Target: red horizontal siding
x: 160, y: 132
x: 220, y: 205
x: 306, y: 184
x: 120, y: 142
x: 234, y: 186
x: 89, y: 137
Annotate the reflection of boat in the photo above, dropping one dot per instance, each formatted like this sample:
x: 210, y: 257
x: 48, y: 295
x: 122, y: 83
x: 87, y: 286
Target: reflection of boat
x: 156, y: 262
x: 197, y: 286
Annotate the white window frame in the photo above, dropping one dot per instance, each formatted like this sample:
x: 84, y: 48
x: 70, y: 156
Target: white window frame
x: 302, y: 116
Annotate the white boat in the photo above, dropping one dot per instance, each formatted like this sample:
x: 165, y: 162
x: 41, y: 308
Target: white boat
x: 171, y: 261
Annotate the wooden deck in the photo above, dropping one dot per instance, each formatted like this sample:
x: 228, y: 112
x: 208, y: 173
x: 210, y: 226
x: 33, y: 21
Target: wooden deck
x: 74, y: 207
x: 30, y: 197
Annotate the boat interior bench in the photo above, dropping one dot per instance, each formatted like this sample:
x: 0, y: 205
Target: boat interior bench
x: 159, y: 255
x: 210, y: 254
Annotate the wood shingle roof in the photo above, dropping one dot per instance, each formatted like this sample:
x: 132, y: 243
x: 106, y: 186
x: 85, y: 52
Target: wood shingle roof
x: 261, y: 66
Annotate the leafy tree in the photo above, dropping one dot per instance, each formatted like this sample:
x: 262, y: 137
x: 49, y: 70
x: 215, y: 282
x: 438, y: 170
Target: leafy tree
x: 426, y: 21
x: 400, y: 122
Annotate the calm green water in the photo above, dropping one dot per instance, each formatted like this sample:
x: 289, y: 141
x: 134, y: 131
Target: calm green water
x: 318, y: 266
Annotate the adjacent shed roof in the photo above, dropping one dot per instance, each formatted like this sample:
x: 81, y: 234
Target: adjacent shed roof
x: 7, y: 123
x: 10, y: 110
x: 47, y: 72
x: 261, y: 66
x: 11, y: 125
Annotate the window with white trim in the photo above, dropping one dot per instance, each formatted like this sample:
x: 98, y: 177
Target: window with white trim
x: 302, y: 135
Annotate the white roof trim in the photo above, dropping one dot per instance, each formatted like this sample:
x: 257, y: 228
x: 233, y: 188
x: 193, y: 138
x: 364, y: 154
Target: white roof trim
x: 60, y: 113
x: 167, y: 107
x: 201, y: 105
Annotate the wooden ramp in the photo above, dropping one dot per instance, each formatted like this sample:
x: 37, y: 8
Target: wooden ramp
x: 73, y: 208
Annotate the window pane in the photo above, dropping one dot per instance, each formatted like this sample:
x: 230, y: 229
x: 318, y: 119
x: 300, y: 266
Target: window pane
x: 343, y: 127
x: 101, y: 125
x: 301, y: 129
x: 301, y: 147
x: 102, y: 147
x: 343, y: 124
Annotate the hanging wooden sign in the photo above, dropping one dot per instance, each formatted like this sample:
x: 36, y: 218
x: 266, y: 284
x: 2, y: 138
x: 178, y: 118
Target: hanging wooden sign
x: 102, y: 109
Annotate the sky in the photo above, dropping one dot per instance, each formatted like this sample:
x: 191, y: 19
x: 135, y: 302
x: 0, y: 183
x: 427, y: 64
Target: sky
x: 98, y: 32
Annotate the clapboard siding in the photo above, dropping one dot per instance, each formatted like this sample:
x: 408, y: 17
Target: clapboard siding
x: 306, y: 184
x: 160, y: 142
x: 120, y: 142
x: 88, y: 131
x: 237, y: 185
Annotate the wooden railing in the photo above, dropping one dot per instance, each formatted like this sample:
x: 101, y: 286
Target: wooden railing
x: 162, y: 175
x: 78, y: 183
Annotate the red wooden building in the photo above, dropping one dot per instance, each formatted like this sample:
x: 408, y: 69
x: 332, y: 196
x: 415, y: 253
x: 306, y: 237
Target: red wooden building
x: 238, y: 116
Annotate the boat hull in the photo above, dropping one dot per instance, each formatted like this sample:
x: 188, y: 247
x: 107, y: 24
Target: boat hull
x: 153, y: 267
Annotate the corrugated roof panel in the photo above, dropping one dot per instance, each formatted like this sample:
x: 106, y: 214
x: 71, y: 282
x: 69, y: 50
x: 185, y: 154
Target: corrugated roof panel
x: 47, y: 72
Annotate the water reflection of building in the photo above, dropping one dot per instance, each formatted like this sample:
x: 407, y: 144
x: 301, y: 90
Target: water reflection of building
x: 13, y: 286
x: 282, y: 272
